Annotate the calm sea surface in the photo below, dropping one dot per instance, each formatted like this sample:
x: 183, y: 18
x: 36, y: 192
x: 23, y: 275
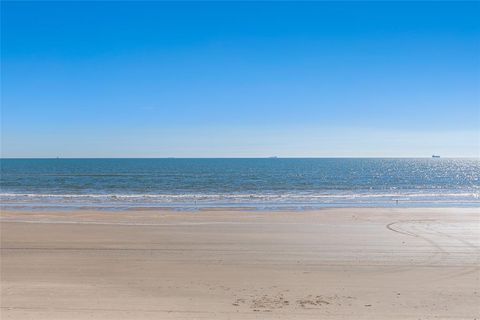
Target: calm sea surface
x: 256, y: 183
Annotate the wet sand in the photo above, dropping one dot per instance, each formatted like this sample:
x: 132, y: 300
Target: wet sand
x: 325, y: 264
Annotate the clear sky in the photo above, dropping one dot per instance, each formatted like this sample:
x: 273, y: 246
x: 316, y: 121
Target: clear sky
x: 227, y: 79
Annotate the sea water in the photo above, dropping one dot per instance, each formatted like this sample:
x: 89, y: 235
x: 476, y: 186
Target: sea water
x: 252, y: 183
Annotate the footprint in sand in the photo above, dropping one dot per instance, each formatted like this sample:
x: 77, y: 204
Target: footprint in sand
x: 265, y: 303
x: 314, y: 302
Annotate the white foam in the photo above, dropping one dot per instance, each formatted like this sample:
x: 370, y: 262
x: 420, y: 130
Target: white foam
x: 257, y: 199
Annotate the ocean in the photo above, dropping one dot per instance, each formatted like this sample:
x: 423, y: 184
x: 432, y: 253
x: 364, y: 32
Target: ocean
x: 263, y: 183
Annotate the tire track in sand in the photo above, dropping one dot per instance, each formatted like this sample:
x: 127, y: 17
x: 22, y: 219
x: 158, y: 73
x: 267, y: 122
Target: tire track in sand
x: 475, y: 250
x: 441, y: 253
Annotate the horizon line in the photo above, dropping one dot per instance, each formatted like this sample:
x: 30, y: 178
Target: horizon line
x: 264, y: 157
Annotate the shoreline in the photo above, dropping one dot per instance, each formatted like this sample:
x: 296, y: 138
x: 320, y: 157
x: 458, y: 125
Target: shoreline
x: 239, y: 207
x: 139, y: 214
x: 358, y: 263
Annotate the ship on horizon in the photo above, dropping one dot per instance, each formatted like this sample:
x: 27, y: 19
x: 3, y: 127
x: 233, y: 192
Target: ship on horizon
x: 435, y: 156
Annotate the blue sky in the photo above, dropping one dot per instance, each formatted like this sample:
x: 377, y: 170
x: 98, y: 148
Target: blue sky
x: 229, y: 79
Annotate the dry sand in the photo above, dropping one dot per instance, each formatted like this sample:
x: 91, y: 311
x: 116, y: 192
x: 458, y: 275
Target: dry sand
x: 327, y: 264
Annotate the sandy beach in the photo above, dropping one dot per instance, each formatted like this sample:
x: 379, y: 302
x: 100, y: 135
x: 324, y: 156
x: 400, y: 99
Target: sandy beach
x: 324, y: 264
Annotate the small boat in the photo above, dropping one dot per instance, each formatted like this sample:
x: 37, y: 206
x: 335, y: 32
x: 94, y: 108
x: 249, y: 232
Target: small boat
x: 435, y: 156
